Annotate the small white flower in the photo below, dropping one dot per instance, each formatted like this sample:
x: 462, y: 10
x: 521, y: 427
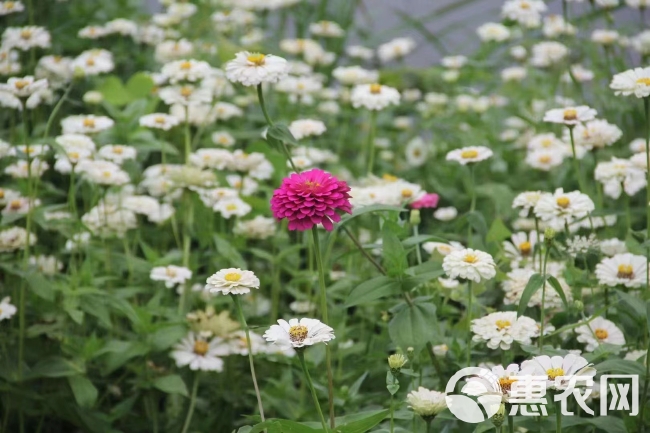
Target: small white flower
x: 374, y: 96
x: 559, y: 369
x: 560, y: 207
x: 395, y: 49
x: 501, y: 329
x: 526, y: 201
x: 440, y: 350
x: 232, y: 206
x: 445, y: 213
x: 352, y: 75
x: 493, y: 32
x: 417, y: 152
x: 117, y: 153
x: 570, y: 115
x: 171, y: 275
x: 15, y: 238
x: 299, y: 333
x: 442, y: 248
x: 326, y: 29
x: 549, y: 53
x: 86, y: 124
x: 525, y: 12
x: 625, y: 269
x: 186, y: 70
x: 197, y: 353
x: 467, y: 155
x: 232, y: 281
x: 632, y: 82
x: 159, y: 121
x: 426, y: 403
x: 7, y: 310
x: 544, y: 159
x: 612, y: 247
x: 251, y: 69
x: 306, y: 128
x: 599, y: 330
x: 470, y: 264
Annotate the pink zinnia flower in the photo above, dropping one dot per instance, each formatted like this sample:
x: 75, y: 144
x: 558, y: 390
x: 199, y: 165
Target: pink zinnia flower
x: 310, y: 198
x: 428, y: 200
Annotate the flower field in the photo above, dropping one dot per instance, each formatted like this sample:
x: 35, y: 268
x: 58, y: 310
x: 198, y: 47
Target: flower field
x: 258, y: 216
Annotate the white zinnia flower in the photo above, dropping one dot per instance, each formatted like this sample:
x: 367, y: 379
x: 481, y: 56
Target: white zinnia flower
x: 7, y: 310
x: 186, y: 70
x: 251, y: 69
x: 445, y: 213
x: 561, y: 207
x: 570, y: 115
x: 199, y: 354
x: 470, y: 264
x: 467, y: 155
x: 493, y: 32
x: 426, y: 403
x: 171, y: 275
x: 501, y: 329
x: 159, y: 121
x: 374, y: 96
x: 395, y: 49
x: 599, y: 330
x: 86, y: 124
x: 559, y: 369
x: 625, y: 269
x: 232, y: 281
x: 526, y: 201
x: 299, y: 333
x: 632, y: 82
x: 302, y: 128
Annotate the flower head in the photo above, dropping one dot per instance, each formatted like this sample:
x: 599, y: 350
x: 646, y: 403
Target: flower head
x: 558, y: 369
x: 501, y: 329
x: 426, y: 403
x: 625, y: 269
x: 632, y: 82
x: 199, y: 353
x: 470, y: 264
x: 251, y: 69
x: 310, y: 198
x: 599, y: 330
x: 467, y: 155
x: 232, y: 281
x: 374, y: 96
x: 299, y: 333
x: 570, y: 115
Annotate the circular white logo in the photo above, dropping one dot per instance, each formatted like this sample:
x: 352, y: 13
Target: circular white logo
x: 483, y: 385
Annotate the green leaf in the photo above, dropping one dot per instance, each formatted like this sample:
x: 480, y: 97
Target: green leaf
x: 635, y: 304
x: 421, y: 274
x: 84, y: 391
x: 609, y: 424
x: 172, y: 384
x: 364, y: 424
x: 114, y: 91
x: 56, y: 366
x: 535, y: 282
x: 39, y: 285
x: 369, y: 209
x: 414, y: 326
x: 647, y: 307
x: 498, y: 231
x: 372, y: 290
x: 620, y: 366
x: 278, y: 134
x: 477, y: 221
x: 228, y: 252
x: 558, y: 288
x: 392, y: 384
x: 395, y: 261
x: 139, y: 86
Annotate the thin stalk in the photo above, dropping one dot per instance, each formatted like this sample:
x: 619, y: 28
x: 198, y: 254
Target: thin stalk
x: 418, y: 253
x: 511, y: 424
x: 188, y: 135
x: 541, y: 332
x: 428, y: 421
x: 242, y: 320
x: 370, y: 144
x: 190, y: 410
x: 365, y: 253
x: 392, y: 420
x: 469, y: 322
x: 323, y: 306
x: 644, y: 398
x: 301, y: 357
x: 285, y: 150
x: 576, y: 163
x: 558, y: 418
x: 56, y: 109
x: 472, y: 205
x: 646, y: 106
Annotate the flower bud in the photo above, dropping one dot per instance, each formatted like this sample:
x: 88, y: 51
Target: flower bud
x: 549, y: 235
x: 415, y: 217
x: 499, y: 417
x: 396, y: 361
x: 578, y: 305
x: 93, y: 97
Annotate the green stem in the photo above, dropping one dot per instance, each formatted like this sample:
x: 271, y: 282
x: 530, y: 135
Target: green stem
x: 542, y: 318
x: 576, y: 162
x: 370, y: 144
x: 56, y: 109
x: 428, y: 425
x: 365, y: 253
x: 301, y: 357
x: 323, y: 306
x: 511, y: 424
x: 392, y: 420
x: 188, y: 136
x: 472, y: 205
x: 646, y: 106
x: 558, y: 418
x: 418, y: 253
x: 285, y: 150
x: 469, y: 322
x: 242, y: 320
x: 190, y: 410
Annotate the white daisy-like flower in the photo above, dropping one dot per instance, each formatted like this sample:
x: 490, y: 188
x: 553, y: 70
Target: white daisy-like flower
x: 352, y: 75
x: 232, y: 206
x: 86, y: 124
x: 26, y: 38
x: 599, y: 330
x: 515, y: 284
x: 417, y: 152
x: 620, y: 175
x: 102, y: 172
x: 558, y: 370
x: 521, y: 245
x: 570, y: 115
x: 374, y: 96
x: 11, y: 7
x: 117, y: 153
x: 625, y: 269
x: 544, y: 159
x: 302, y: 307
x: 7, y: 310
x: 493, y: 32
x: 548, y: 53
x: 470, y: 264
x: 326, y: 29
x: 440, y: 350
x: 302, y: 128
x: 223, y: 138
x: 360, y: 52
x: 299, y: 333
x: 632, y: 82
x: 561, y: 207
x: 594, y: 134
x: 159, y: 121
x: 526, y: 201
x: 501, y: 329
x: 612, y: 247
x: 171, y: 275
x: 444, y: 249
x: 506, y: 377
x: 257, y: 228
x: 93, y: 62
x: 198, y: 353
x: 186, y: 95
x: 232, y: 281
x: 426, y: 403
x: 251, y: 69
x: 15, y: 238
x: 395, y: 49
x: 238, y: 343
x: 23, y: 87
x: 467, y: 155
x: 525, y: 12
x: 186, y: 70
x: 445, y: 213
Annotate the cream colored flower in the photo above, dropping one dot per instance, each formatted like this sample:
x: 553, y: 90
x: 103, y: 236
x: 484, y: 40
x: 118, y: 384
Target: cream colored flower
x: 426, y: 403
x: 251, y: 69
x: 470, y: 264
x: 468, y: 155
x: 570, y: 115
x: 374, y: 96
x: 599, y: 330
x: 626, y: 269
x: 232, y: 281
x: 299, y: 333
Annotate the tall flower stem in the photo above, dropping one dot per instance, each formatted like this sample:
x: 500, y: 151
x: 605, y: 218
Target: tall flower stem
x: 323, y: 307
x: 190, y: 410
x: 242, y: 320
x: 558, y: 418
x: 472, y: 205
x: 511, y: 424
x: 188, y: 135
x: 285, y: 150
x: 576, y: 163
x: 303, y: 364
x: 542, y: 318
x: 469, y: 322
x: 392, y: 418
x: 370, y: 144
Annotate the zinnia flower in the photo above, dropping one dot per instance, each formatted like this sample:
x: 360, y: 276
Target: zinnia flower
x: 600, y: 330
x: 428, y: 200
x: 426, y: 403
x: 232, y: 281
x: 310, y: 198
x: 299, y: 333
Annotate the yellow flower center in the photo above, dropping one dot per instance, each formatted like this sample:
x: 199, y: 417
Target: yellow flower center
x: 89, y: 123
x: 9, y: 5
x: 186, y: 66
x: 26, y: 34
x: 563, y: 202
x: 625, y: 271
x: 547, y: 142
x: 524, y: 5
x: 601, y: 334
x: 470, y: 258
x: 506, y: 383
x: 21, y: 84
x: 502, y: 324
x: 231, y: 207
x: 232, y: 277
x: 570, y: 114
x: 407, y: 193
x: 118, y: 150
x: 171, y: 273
x: 469, y: 154
x: 643, y: 81
x: 90, y: 62
x: 107, y: 174
x: 201, y: 347
x: 186, y: 91
x: 544, y: 159
x: 375, y: 89
x: 389, y: 177
x: 524, y: 248
x: 2, y: 193
x: 257, y: 59
x: 15, y: 204
x: 159, y: 120
x: 73, y: 155
x: 298, y: 333
x: 554, y: 372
